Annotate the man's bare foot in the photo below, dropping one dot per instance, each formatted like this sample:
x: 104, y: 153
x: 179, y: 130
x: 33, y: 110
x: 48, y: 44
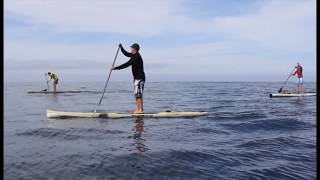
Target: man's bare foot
x: 135, y: 112
x: 138, y: 112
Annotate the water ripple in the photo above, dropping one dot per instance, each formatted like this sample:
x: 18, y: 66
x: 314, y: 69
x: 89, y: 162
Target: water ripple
x: 69, y: 134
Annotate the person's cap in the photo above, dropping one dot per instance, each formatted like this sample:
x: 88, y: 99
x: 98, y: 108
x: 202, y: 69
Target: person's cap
x: 136, y: 46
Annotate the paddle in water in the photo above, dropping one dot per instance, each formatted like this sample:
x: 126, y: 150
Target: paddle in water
x: 107, y: 80
x: 280, y: 90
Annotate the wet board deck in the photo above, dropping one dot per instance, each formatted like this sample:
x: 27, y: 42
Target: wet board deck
x: 292, y: 94
x: 62, y: 114
x: 66, y: 91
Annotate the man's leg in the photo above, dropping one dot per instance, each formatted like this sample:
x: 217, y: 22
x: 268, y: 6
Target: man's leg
x: 140, y: 105
x: 138, y: 102
x: 302, y: 88
x: 55, y: 83
x: 137, y: 107
x: 140, y: 87
x: 138, y: 91
x: 135, y: 87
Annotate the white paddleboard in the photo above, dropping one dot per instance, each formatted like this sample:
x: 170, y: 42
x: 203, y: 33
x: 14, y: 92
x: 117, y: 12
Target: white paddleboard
x: 65, y: 91
x: 292, y: 94
x: 62, y: 114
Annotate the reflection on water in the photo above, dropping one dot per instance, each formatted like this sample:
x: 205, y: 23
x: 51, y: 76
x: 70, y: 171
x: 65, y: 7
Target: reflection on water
x: 137, y: 135
x: 300, y: 101
x: 54, y: 97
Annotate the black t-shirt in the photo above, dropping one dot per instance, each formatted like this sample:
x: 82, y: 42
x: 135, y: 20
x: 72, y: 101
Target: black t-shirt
x: 136, y: 62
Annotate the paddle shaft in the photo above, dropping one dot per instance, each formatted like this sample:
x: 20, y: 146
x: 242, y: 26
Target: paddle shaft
x: 286, y: 80
x: 107, y: 80
x: 47, y: 81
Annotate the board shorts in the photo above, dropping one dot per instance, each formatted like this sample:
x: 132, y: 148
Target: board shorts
x: 55, y: 82
x: 300, y: 81
x: 138, y: 88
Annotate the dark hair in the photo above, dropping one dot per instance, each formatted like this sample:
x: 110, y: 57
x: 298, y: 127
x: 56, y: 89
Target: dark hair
x: 135, y: 46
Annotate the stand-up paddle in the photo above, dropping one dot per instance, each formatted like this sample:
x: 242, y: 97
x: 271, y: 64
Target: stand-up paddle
x: 107, y: 80
x: 280, y: 90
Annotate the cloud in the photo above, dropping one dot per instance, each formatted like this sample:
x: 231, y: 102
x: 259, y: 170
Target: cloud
x: 285, y: 25
x: 46, y: 51
x: 146, y: 18
x: 142, y: 18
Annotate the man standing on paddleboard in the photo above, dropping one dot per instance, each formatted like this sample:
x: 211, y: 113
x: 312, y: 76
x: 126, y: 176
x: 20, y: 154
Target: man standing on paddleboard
x: 136, y: 63
x: 299, y: 76
x: 54, y: 77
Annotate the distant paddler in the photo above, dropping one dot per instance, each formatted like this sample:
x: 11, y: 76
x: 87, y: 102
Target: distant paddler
x: 298, y: 72
x: 54, y: 77
x: 136, y: 63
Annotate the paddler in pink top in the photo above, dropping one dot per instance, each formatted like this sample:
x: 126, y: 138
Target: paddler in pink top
x: 298, y: 72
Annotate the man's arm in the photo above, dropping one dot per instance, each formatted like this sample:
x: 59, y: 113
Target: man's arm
x: 125, y: 65
x: 49, y: 79
x: 295, y: 72
x: 124, y: 52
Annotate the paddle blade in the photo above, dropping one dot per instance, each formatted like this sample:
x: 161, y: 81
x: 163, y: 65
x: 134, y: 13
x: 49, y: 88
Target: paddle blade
x: 280, y: 90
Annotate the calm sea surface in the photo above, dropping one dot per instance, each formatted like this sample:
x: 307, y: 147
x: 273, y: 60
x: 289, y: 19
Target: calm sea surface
x: 246, y: 135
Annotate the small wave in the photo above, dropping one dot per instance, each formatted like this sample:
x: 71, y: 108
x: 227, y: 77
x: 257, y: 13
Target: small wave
x: 70, y: 134
x: 172, y: 165
x: 215, y: 108
x: 287, y: 124
x: 33, y: 114
x: 279, y: 142
x: 246, y: 115
x: 119, y: 91
x: 285, y: 171
x: 209, y: 130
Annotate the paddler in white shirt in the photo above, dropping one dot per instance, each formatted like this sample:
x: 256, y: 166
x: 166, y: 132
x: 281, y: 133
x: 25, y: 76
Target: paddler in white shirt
x: 54, y: 77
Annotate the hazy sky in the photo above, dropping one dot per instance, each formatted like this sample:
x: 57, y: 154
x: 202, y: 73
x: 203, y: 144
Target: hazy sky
x: 213, y: 40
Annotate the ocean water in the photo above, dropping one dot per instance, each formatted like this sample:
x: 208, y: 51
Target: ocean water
x: 246, y: 135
